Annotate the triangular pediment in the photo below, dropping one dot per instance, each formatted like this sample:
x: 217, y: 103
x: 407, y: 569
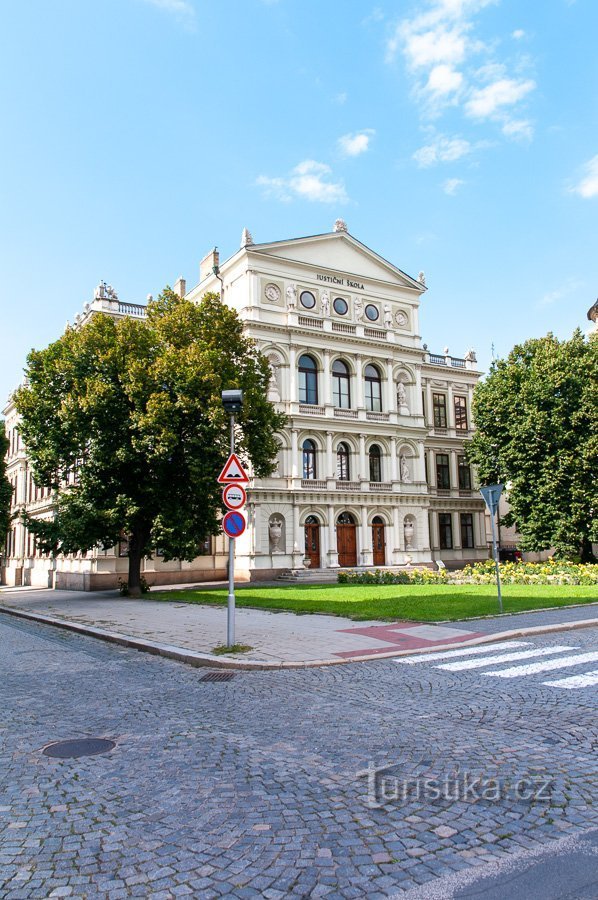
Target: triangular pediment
x: 338, y: 252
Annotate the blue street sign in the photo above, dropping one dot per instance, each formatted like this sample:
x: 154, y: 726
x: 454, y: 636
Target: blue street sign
x: 234, y: 524
x: 491, y: 494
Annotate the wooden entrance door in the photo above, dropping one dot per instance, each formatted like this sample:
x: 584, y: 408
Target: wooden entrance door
x: 346, y: 540
x: 312, y: 541
x: 378, y: 541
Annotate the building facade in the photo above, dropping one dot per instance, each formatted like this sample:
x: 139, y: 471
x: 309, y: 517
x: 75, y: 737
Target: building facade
x: 371, y: 471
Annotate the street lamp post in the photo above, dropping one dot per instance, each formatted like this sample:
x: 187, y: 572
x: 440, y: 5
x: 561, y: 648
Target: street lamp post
x: 233, y: 403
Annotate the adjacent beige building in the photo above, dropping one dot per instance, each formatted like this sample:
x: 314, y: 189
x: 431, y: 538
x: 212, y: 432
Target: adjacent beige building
x: 371, y: 471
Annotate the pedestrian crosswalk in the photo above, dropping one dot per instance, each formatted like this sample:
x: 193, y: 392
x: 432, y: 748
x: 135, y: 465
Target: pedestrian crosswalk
x: 529, y: 661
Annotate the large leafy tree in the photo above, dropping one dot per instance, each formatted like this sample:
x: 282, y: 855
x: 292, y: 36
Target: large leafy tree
x: 132, y: 409
x: 5, y: 487
x: 536, y: 417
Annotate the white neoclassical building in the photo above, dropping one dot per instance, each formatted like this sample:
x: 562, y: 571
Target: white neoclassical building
x: 371, y: 471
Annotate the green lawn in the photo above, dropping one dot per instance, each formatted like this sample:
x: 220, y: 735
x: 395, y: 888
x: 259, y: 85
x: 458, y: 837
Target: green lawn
x: 428, y: 603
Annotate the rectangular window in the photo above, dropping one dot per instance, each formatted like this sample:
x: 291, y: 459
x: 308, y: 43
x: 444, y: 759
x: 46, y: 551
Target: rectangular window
x: 443, y: 477
x: 123, y: 545
x: 467, y: 530
x: 340, y: 392
x: 464, y: 474
x: 205, y: 547
x: 439, y: 404
x: 373, y: 395
x: 460, y: 413
x: 308, y: 387
x: 445, y: 531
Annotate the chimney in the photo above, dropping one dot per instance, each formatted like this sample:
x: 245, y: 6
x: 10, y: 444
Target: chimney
x: 180, y: 286
x: 207, y: 264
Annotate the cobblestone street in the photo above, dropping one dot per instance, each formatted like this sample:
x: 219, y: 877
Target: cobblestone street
x: 259, y: 787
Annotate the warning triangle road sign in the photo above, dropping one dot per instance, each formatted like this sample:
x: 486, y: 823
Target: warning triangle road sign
x: 233, y: 471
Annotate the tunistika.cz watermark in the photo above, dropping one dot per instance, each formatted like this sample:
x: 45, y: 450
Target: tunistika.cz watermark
x: 383, y: 787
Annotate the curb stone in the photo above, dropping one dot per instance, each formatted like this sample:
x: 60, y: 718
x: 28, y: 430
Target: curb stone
x: 195, y: 658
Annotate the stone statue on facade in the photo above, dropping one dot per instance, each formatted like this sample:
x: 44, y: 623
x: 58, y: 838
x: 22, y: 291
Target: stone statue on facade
x: 405, y: 473
x: 340, y: 225
x: 100, y: 292
x: 408, y: 530
x: 292, y: 296
x: 402, y: 399
x: 325, y: 301
x: 422, y: 278
x: 387, y: 316
x: 275, y: 534
x: 246, y: 239
x: 470, y: 356
x: 273, y: 387
x: 358, y: 309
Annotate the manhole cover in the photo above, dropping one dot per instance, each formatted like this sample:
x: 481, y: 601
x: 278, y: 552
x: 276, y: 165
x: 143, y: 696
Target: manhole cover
x: 218, y: 676
x: 83, y: 747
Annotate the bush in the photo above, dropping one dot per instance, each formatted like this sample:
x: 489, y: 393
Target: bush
x: 381, y: 576
x: 123, y: 587
x: 549, y: 572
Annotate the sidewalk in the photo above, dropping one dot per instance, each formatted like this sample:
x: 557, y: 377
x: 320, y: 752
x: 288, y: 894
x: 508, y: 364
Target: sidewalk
x: 190, y: 632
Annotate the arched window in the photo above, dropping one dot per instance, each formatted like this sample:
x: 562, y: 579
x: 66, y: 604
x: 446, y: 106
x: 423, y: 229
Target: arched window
x: 373, y: 389
x: 345, y: 518
x: 342, y: 463
x: 308, y: 379
x: 309, y: 459
x: 341, y: 393
x: 375, y: 463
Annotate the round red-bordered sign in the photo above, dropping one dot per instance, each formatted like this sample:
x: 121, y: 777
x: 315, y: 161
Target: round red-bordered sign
x: 234, y: 524
x: 234, y: 496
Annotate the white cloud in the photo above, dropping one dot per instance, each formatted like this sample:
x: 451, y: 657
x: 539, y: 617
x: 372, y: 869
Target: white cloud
x: 518, y: 129
x: 450, y: 66
x: 443, y: 80
x: 183, y: 10
x: 355, y: 144
x: 452, y: 185
x: 442, y: 149
x: 587, y: 186
x: 490, y: 99
x: 565, y: 290
x: 309, y: 180
x: 341, y: 98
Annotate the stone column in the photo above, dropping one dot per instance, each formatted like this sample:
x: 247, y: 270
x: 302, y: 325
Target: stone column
x: 366, y: 540
x: 298, y: 539
x: 421, y: 463
x: 332, y: 548
x: 393, y: 460
x: 397, y: 540
x: 330, y: 468
x: 293, y: 389
x: 326, y: 380
x: 388, y: 400
x: 434, y: 534
x: 364, y: 472
x: 294, y: 454
x: 454, y: 470
x: 450, y: 413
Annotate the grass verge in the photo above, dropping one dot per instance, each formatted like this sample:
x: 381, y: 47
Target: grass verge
x: 421, y: 603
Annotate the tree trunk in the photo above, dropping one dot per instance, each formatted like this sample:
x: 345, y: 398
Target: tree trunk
x: 135, y: 555
x: 586, y: 554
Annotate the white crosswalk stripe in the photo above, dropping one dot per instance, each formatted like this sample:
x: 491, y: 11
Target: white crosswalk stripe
x: 575, y: 681
x: 465, y: 664
x: 546, y: 666
x: 465, y: 651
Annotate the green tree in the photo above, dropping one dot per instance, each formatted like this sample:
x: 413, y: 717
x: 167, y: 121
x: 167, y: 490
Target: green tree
x: 132, y: 409
x: 536, y: 416
x: 5, y: 487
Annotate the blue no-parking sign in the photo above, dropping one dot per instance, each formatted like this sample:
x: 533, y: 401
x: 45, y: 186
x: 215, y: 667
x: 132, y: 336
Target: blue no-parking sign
x: 234, y: 524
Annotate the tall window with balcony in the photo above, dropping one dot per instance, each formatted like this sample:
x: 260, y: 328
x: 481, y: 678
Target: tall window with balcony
x: 460, y: 413
x: 467, y: 530
x: 343, y: 472
x: 341, y: 385
x: 308, y: 380
x: 375, y: 457
x: 464, y: 474
x: 309, y: 459
x: 443, y: 477
x: 439, y: 408
x: 373, y: 389
x: 445, y: 531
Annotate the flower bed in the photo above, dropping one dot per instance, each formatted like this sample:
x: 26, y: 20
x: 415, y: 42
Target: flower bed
x: 549, y: 572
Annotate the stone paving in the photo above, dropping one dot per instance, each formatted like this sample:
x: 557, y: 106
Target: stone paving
x: 275, y: 637
x: 259, y: 786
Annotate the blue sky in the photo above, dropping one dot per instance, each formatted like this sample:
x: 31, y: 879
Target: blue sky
x: 458, y: 137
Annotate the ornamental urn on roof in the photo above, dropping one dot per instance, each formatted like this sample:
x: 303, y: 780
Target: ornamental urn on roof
x: 340, y: 225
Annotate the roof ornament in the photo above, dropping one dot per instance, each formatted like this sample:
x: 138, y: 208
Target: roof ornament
x: 470, y: 356
x: 422, y: 278
x: 246, y: 239
x: 340, y: 226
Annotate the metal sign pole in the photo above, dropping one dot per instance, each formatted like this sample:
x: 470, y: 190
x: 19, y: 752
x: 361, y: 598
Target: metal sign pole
x: 496, y: 561
x: 230, y: 606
